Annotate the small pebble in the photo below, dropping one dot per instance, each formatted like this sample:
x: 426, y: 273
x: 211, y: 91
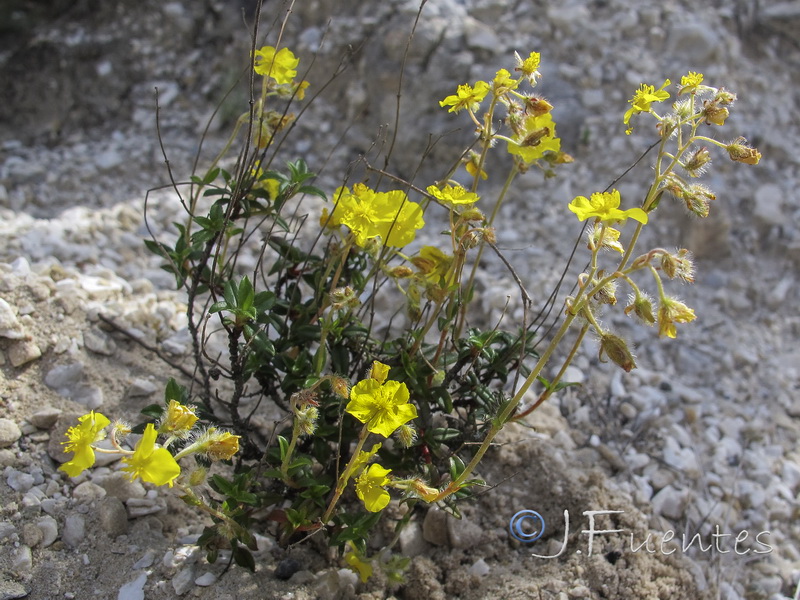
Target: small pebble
x: 9, y: 432
x: 44, y: 418
x: 206, y: 579
x: 49, y: 529
x: 133, y: 590
x: 74, y: 530
x: 23, y: 352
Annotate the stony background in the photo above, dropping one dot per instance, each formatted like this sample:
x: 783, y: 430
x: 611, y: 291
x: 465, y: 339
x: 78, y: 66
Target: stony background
x: 704, y: 432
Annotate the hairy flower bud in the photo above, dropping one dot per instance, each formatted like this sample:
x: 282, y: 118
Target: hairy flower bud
x: 307, y: 419
x: 617, y: 351
x: 401, y: 272
x: 739, y: 151
x: 697, y: 162
x: 198, y: 476
x: 407, y: 435
x: 607, y: 294
x: 340, y: 386
x: 714, y: 113
x: 537, y: 106
x: 678, y: 265
x: 642, y: 307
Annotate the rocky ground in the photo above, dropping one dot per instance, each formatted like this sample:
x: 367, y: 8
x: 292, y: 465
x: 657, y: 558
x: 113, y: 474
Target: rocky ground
x: 701, y: 438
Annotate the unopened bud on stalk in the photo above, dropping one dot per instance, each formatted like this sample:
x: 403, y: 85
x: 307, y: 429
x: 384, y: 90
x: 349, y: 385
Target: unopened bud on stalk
x: 537, y: 106
x: 340, y: 387
x: 307, y: 419
x: 739, y: 151
x: 401, y: 272
x: 607, y: 294
x: 678, y: 265
x: 407, y: 435
x: 714, y: 113
x: 198, y: 476
x: 344, y: 297
x: 617, y: 351
x: 424, y: 491
x: 472, y: 214
x: 697, y: 162
x: 642, y: 307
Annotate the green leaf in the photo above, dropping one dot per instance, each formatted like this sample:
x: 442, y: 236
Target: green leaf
x: 244, y: 558
x: 154, y: 411
x: 443, y: 434
x: 246, y: 294
x: 284, y: 445
x: 457, y: 467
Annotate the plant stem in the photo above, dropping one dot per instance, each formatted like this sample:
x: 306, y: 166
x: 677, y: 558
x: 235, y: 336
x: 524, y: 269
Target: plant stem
x: 345, y: 477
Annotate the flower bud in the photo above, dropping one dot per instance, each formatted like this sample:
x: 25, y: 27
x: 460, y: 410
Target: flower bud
x: 739, y: 151
x: 198, y: 476
x: 407, y: 435
x: 307, y: 419
x: 177, y: 419
x: 607, y: 294
x: 343, y: 298
x: 724, y: 97
x: 472, y: 214
x: 616, y: 349
x: 678, y: 265
x: 537, y: 106
x: 340, y: 387
x: 605, y: 237
x: 714, y: 113
x: 400, y: 272
x: 698, y: 161
x: 221, y: 445
x: 642, y: 307
x: 424, y: 491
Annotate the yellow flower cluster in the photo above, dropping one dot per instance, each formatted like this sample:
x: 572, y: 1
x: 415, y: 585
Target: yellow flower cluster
x: 390, y: 216
x: 147, y: 461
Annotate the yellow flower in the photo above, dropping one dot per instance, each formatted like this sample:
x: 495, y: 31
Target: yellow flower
x: 536, y: 137
x: 177, y: 419
x: 606, y: 237
x: 466, y: 97
x: 221, y: 445
x: 382, y: 407
x: 690, y: 82
x: 363, y: 458
x: 670, y: 312
x: 433, y: 263
x: 642, y: 98
x: 379, y: 371
x: 280, y: 65
x: 529, y: 66
x: 473, y: 164
x: 370, y: 214
x: 87, y: 432
x: 503, y: 82
x: 357, y: 564
x: 605, y: 206
x: 301, y: 89
x: 453, y: 195
x: 152, y: 464
x: 369, y: 488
